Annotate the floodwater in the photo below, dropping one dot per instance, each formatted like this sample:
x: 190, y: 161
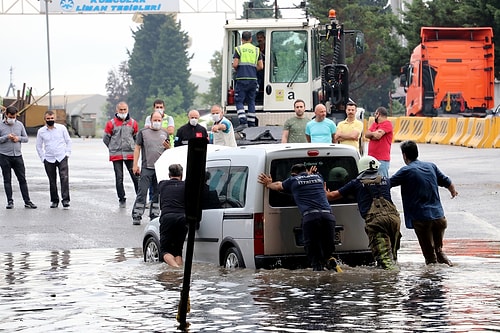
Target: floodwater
x: 113, y: 290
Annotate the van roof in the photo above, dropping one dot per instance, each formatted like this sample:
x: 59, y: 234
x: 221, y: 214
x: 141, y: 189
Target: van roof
x: 179, y: 154
x: 270, y: 148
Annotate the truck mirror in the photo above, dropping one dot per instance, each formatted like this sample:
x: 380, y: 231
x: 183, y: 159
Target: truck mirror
x: 402, y: 80
x: 360, y: 42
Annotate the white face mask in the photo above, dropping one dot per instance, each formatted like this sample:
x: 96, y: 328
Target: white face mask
x: 11, y: 121
x: 162, y: 111
x: 215, y: 117
x: 193, y: 121
x: 156, y: 125
x: 122, y: 116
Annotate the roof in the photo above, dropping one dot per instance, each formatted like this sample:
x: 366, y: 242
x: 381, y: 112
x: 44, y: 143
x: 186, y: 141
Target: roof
x: 253, y: 24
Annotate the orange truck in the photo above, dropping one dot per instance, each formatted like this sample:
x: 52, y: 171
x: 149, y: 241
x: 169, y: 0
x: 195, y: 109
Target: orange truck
x: 451, y: 72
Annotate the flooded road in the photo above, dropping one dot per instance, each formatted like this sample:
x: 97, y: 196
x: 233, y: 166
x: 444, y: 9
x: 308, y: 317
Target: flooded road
x: 113, y: 290
x: 81, y: 270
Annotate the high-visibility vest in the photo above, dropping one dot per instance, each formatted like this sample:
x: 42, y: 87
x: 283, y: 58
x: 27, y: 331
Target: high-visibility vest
x: 247, y: 65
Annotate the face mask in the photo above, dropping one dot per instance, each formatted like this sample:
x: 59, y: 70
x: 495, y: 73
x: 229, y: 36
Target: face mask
x: 216, y: 117
x: 122, y: 116
x: 193, y: 121
x: 11, y: 121
x: 50, y: 122
x: 160, y: 110
x: 156, y: 125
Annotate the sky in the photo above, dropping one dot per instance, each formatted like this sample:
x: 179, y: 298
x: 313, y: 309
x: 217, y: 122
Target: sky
x: 84, y: 48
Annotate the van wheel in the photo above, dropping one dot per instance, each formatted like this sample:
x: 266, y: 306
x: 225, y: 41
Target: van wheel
x: 152, y: 250
x: 233, y: 258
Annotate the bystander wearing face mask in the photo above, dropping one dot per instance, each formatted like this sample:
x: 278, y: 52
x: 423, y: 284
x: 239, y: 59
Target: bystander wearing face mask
x: 11, y: 121
x: 216, y: 117
x: 122, y: 116
x: 156, y: 125
x: 193, y: 121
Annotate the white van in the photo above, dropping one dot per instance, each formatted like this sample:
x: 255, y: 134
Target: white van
x: 250, y: 226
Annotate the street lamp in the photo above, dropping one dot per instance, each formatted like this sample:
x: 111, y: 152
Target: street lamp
x: 48, y: 50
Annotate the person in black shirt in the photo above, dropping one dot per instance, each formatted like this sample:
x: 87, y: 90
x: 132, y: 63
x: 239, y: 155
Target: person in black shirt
x: 173, y: 227
x: 190, y: 130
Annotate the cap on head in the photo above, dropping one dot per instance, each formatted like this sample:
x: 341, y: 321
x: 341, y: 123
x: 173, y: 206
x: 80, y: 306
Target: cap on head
x: 368, y: 163
x: 338, y: 174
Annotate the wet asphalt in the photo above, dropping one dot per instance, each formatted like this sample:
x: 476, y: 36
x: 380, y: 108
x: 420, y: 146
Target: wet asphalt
x: 94, y: 219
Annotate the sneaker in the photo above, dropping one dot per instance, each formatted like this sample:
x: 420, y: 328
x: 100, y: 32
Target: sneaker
x: 65, y: 203
x: 241, y: 127
x: 136, y: 221
x: 122, y: 203
x: 54, y: 204
x: 29, y: 204
x: 10, y: 205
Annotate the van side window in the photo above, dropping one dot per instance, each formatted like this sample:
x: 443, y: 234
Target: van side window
x: 229, y: 184
x: 336, y: 172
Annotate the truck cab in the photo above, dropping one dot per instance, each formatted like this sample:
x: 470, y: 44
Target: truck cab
x: 291, y: 65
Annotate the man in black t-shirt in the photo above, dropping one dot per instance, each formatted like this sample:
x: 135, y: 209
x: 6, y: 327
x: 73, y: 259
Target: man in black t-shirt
x: 173, y: 227
x: 190, y: 130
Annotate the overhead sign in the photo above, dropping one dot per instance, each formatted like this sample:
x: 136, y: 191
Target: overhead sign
x: 111, y: 6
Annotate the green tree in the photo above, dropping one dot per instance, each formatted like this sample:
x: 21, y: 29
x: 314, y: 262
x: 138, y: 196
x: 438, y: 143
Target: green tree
x: 258, y: 9
x: 158, y: 63
x: 117, y: 87
x: 213, y: 96
x: 451, y: 13
x: 370, y: 78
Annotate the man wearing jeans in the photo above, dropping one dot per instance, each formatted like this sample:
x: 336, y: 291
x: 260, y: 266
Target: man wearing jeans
x: 53, y: 146
x: 119, y: 137
x: 247, y: 60
x: 12, y: 134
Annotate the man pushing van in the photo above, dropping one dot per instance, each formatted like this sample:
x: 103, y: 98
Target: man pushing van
x: 318, y: 221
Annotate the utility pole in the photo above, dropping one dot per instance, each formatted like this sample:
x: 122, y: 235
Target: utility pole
x: 11, y: 85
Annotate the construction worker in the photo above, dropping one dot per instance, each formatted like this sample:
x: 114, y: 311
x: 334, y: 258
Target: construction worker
x: 247, y: 60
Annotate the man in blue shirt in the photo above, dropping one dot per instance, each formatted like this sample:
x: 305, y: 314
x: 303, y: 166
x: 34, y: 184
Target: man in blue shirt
x: 320, y: 129
x: 421, y: 202
x: 318, y: 221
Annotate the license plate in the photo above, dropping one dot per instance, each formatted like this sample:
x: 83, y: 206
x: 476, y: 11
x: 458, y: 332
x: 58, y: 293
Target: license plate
x: 299, y: 238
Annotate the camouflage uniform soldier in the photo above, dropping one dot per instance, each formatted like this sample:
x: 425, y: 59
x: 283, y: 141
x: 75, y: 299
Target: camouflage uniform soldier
x: 376, y: 207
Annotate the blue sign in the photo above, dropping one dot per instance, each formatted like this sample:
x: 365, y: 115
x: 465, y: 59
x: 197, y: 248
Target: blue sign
x: 111, y: 6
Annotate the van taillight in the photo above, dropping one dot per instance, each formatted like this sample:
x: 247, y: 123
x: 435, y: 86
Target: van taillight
x: 258, y: 233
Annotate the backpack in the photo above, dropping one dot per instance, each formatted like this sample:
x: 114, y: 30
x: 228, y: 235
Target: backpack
x: 380, y: 207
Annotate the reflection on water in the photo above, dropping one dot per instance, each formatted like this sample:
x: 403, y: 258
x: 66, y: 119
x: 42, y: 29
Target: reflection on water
x: 112, y: 290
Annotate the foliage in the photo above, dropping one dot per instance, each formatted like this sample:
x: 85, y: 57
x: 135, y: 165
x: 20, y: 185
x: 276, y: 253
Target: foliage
x: 260, y: 9
x: 213, y: 96
x: 159, y: 67
x: 451, y: 13
x: 117, y: 88
x: 370, y: 79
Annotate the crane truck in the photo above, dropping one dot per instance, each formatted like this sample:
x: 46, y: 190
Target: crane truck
x: 451, y: 72
x: 293, y: 66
